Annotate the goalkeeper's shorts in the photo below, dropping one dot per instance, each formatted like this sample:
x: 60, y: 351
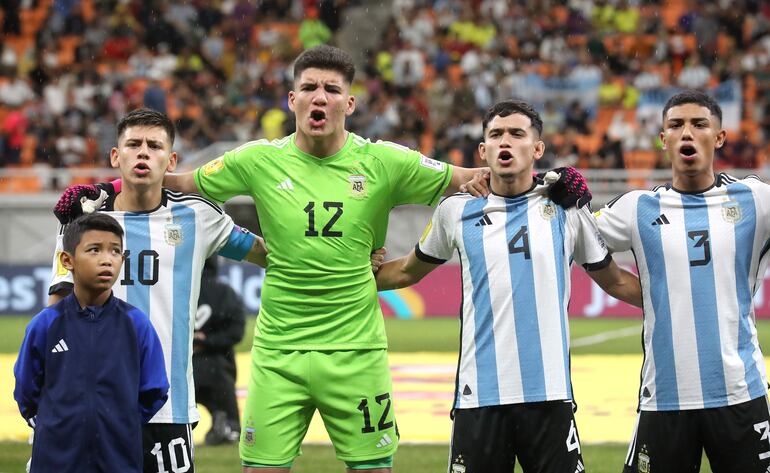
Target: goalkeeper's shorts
x: 351, y: 389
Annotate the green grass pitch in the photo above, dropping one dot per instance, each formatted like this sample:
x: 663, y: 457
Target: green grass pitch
x: 434, y: 334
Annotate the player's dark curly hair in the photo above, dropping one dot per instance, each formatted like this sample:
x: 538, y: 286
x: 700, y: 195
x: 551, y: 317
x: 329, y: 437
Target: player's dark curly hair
x: 326, y: 57
x: 696, y: 97
x: 509, y: 107
x: 146, y: 117
x: 94, y: 221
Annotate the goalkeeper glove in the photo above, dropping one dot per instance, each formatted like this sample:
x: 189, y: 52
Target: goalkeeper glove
x: 567, y: 188
x: 79, y: 199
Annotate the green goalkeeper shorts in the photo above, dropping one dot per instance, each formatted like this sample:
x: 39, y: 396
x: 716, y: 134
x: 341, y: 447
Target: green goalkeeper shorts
x: 351, y: 389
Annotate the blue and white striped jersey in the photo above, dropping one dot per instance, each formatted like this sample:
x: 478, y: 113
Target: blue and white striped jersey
x: 700, y: 258
x: 515, y: 254
x: 165, y: 250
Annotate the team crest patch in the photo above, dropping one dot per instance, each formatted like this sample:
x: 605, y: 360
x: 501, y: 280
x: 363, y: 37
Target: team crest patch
x: 643, y: 462
x: 458, y: 465
x: 248, y: 435
x: 213, y: 166
x: 357, y: 186
x: 173, y: 234
x: 731, y: 211
x: 548, y: 211
x: 432, y: 164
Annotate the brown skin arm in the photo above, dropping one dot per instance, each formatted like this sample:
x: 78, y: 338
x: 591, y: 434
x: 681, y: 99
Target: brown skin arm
x: 619, y: 283
x: 402, y: 272
x: 473, y: 180
x: 258, y: 253
x: 57, y: 296
x: 181, y: 182
x: 476, y: 181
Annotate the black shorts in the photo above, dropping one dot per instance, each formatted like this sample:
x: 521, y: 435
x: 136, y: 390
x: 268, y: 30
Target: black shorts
x: 736, y: 439
x: 168, y: 447
x: 541, y: 435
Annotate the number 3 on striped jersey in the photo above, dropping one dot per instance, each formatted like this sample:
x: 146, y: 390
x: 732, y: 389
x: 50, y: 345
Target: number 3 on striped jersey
x: 701, y: 242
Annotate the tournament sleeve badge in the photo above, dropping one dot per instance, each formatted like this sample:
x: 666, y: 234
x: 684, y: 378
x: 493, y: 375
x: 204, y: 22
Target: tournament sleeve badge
x: 214, y: 166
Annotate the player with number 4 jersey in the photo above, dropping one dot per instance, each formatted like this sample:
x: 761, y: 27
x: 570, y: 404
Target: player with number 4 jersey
x: 513, y: 396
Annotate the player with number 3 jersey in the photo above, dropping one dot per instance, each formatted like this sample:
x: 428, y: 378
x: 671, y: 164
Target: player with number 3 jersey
x: 701, y: 245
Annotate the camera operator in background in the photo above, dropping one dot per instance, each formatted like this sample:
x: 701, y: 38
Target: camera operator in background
x: 219, y: 326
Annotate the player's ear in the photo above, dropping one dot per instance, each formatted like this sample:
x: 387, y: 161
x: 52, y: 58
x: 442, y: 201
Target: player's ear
x: 114, y: 160
x: 66, y: 260
x: 721, y: 137
x: 351, y: 105
x: 539, y: 149
x: 292, y: 97
x: 172, y: 160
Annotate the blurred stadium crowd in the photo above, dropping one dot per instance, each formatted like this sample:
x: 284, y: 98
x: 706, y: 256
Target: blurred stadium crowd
x: 221, y: 69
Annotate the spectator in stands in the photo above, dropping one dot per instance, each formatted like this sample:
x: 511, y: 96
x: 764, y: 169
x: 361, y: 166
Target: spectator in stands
x: 16, y: 92
x: 312, y: 31
x: 12, y: 133
x: 694, y: 75
x: 577, y: 118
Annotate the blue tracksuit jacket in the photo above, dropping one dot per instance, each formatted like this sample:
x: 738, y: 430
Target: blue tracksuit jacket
x: 86, y: 380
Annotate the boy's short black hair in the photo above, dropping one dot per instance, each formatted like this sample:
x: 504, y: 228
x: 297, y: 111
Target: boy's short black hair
x: 509, y: 107
x: 326, y: 57
x: 146, y: 117
x: 94, y: 221
x: 696, y: 97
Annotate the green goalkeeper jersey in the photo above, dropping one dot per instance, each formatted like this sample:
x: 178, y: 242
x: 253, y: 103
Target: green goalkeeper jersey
x: 321, y: 219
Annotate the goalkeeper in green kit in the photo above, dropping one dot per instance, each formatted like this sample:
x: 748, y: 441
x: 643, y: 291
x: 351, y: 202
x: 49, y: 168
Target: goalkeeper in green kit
x: 323, y: 196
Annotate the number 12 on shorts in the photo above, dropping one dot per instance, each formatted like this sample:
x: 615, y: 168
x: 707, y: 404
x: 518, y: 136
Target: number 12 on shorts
x: 363, y: 406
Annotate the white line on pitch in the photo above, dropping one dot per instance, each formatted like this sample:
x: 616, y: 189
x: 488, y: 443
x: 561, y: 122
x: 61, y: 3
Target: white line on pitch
x: 605, y: 336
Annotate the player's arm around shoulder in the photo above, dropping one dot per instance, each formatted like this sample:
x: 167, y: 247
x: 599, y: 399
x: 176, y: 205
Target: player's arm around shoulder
x: 616, y: 221
x: 258, y: 252
x: 61, y: 282
x: 181, y: 182
x: 403, y: 272
x: 619, y: 283
x: 591, y: 250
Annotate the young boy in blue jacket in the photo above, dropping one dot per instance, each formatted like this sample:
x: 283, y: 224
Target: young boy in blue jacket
x: 90, y: 370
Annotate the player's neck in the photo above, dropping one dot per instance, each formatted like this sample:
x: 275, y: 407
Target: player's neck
x: 694, y: 183
x: 321, y: 147
x: 132, y: 199
x: 86, y: 297
x: 511, y: 185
